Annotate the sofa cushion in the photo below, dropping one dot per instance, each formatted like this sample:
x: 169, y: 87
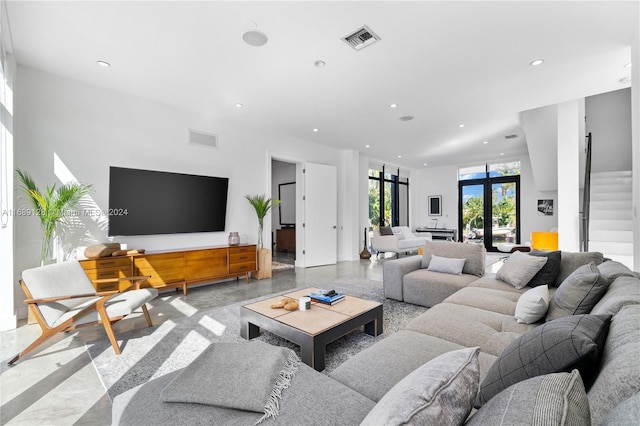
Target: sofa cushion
x: 439, y: 392
x: 491, y: 331
x: 532, y: 305
x: 619, y: 376
x: 552, y: 399
x: 487, y: 299
x: 572, y: 261
x: 549, y: 272
x: 519, y: 268
x: 621, y: 292
x: 446, y: 265
x: 141, y: 405
x: 554, y: 347
x: 625, y: 413
x: 398, y: 232
x: 611, y: 270
x: 473, y: 253
x: 427, y: 288
x: 579, y: 293
x: 375, y: 370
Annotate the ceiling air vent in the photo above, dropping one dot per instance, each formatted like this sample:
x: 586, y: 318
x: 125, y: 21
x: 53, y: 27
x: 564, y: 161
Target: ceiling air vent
x: 203, y: 139
x: 513, y: 136
x: 360, y: 38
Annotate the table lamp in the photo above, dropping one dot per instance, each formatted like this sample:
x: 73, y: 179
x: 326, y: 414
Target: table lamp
x: 544, y: 241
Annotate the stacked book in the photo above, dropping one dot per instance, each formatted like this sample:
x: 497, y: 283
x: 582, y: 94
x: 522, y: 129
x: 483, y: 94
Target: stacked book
x: 327, y: 297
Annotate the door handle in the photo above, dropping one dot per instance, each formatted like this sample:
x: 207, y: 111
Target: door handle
x: 334, y: 226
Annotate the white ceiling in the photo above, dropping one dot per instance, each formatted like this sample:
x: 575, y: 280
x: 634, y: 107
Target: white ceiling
x: 445, y: 63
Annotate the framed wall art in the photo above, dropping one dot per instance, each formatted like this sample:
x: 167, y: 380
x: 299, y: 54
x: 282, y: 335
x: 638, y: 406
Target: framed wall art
x: 435, y: 205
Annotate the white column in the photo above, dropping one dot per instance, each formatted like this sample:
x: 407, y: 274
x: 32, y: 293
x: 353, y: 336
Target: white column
x: 635, y: 141
x: 570, y: 121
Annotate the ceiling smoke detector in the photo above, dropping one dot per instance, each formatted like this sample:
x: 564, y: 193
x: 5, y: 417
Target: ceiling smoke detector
x: 361, y: 38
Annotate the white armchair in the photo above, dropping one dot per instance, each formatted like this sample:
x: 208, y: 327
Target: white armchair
x: 402, y: 240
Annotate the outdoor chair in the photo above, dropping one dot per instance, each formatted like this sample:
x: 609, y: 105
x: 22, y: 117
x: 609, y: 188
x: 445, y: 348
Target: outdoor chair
x: 62, y: 298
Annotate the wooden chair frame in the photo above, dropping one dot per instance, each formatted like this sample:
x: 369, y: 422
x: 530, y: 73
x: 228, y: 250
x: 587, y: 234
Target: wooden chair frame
x: 68, y: 325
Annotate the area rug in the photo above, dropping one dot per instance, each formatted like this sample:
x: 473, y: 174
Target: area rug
x: 155, y: 351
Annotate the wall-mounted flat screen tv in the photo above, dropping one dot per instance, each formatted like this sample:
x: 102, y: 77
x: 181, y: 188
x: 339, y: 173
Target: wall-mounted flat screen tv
x: 146, y: 202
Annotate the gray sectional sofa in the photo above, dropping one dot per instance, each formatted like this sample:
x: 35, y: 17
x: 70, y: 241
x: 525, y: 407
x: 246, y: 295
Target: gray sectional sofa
x: 479, y: 315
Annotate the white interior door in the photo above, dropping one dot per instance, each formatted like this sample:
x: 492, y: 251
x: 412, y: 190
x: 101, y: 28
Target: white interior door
x: 321, y: 215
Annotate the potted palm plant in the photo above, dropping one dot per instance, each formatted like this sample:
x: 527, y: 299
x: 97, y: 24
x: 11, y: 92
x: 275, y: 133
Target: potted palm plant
x: 262, y: 206
x: 51, y: 206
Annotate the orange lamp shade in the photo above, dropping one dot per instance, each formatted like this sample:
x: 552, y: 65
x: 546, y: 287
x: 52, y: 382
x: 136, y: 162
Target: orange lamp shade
x: 544, y: 240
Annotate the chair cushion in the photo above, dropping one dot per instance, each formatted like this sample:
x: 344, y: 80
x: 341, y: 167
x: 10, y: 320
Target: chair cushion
x: 58, y: 279
x: 441, y: 391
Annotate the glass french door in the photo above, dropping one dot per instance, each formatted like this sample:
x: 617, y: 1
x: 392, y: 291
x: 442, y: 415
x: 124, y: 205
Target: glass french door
x: 490, y: 211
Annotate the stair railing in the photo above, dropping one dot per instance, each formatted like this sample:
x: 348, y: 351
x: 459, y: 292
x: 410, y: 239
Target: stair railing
x: 586, y: 198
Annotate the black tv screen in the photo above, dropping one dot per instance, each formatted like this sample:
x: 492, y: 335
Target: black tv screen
x: 146, y: 202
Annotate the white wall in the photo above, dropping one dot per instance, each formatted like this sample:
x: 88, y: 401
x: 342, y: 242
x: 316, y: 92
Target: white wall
x: 7, y: 309
x: 90, y: 128
x: 444, y: 181
x: 608, y: 118
x: 635, y: 143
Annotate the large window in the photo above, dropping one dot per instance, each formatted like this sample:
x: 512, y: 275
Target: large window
x: 388, y: 198
x: 489, y: 204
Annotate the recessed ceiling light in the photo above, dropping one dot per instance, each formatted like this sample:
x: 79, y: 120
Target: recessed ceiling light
x: 461, y: 125
x: 628, y: 65
x: 255, y: 38
x: 536, y: 62
x: 239, y: 105
x: 319, y: 63
x: 104, y: 64
x: 399, y: 156
x: 485, y: 142
x: 315, y: 130
x: 502, y: 153
x: 367, y: 146
x: 393, y: 106
x: 424, y: 164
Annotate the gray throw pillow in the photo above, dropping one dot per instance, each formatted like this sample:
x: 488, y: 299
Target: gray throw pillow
x: 574, y: 342
x: 440, y: 392
x: 474, y: 255
x: 519, y: 268
x: 446, y: 265
x: 579, y: 293
x: 551, y: 399
x: 572, y: 261
x: 549, y: 272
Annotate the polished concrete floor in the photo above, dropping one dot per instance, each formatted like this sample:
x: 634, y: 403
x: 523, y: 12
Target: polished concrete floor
x: 57, y: 384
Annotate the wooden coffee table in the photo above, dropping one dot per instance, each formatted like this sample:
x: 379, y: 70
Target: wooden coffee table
x: 312, y: 330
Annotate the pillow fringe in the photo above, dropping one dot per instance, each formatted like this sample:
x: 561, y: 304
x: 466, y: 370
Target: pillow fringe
x: 272, y: 407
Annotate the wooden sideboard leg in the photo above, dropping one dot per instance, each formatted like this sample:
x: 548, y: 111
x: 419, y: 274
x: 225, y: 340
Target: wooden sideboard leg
x: 248, y: 277
x: 184, y: 288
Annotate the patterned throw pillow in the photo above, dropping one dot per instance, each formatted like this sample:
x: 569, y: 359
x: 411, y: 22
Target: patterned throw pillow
x: 551, y: 399
x: 386, y: 230
x: 574, y: 342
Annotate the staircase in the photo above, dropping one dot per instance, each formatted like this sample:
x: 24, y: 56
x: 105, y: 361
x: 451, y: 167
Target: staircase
x: 610, y: 223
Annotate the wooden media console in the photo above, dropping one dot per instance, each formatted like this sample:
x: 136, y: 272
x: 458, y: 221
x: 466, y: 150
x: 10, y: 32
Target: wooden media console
x: 174, y: 269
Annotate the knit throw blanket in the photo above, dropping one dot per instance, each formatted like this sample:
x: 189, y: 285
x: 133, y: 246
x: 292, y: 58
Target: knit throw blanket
x: 246, y: 376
